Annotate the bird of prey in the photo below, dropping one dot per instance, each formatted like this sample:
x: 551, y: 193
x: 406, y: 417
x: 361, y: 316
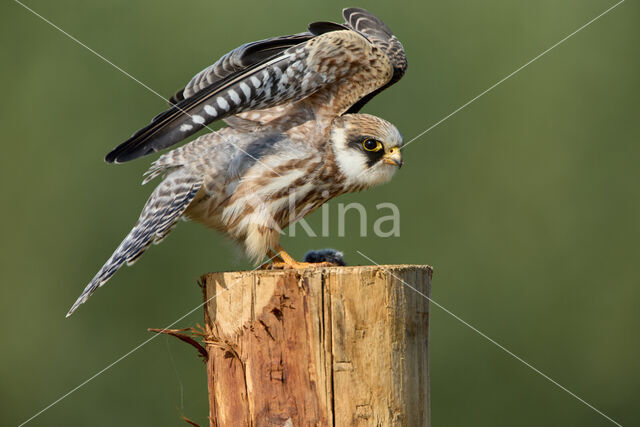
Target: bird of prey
x: 294, y: 138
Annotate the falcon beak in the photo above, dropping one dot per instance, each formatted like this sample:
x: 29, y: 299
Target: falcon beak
x: 393, y: 157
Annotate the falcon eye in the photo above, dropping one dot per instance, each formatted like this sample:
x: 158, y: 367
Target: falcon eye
x: 371, y: 145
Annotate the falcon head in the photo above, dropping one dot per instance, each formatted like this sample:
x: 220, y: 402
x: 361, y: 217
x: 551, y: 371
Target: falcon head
x: 367, y: 149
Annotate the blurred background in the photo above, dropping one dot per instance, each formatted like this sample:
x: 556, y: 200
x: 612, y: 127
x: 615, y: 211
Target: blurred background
x: 526, y: 203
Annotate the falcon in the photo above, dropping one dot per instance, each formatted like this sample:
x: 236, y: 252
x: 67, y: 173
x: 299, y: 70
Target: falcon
x: 294, y: 138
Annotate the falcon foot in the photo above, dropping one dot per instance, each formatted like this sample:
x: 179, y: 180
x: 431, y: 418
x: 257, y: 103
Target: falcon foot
x: 282, y: 260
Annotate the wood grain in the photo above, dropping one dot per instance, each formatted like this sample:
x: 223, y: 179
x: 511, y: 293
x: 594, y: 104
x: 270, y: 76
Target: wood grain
x: 336, y: 346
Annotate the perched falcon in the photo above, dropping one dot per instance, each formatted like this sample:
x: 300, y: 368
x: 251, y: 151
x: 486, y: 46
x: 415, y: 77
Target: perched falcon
x: 294, y: 138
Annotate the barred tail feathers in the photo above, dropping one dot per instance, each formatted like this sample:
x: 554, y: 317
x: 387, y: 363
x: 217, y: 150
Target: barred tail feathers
x: 165, y: 206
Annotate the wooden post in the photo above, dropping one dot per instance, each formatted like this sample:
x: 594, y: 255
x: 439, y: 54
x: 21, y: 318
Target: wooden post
x: 338, y: 346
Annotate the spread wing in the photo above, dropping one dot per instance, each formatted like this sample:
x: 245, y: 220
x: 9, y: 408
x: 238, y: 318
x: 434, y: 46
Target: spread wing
x: 382, y: 37
x: 242, y: 79
x: 238, y: 60
x: 329, y: 61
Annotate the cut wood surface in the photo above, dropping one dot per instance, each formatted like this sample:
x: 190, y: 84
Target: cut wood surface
x: 337, y: 346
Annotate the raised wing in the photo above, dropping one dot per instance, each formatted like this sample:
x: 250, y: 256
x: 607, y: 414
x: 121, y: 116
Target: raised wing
x: 254, y: 87
x: 271, y: 72
x: 238, y: 60
x: 247, y: 78
x: 381, y: 36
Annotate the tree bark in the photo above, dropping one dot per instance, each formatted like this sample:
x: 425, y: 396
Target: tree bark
x: 337, y: 346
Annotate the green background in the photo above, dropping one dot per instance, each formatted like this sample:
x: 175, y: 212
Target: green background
x: 526, y: 203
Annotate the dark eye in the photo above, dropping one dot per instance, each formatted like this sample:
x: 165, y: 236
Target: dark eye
x: 371, y: 144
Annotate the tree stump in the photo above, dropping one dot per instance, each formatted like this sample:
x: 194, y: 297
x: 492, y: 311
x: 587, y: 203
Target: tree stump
x: 338, y: 346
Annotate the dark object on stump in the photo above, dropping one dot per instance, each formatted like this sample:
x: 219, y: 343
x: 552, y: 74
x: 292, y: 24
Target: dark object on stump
x: 325, y: 255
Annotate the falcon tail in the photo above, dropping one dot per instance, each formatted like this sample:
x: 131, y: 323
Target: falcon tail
x: 159, y: 215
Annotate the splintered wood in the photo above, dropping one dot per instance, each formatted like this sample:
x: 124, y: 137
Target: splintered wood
x: 337, y: 346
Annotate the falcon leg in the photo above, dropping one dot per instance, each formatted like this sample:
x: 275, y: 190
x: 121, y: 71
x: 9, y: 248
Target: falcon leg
x: 274, y: 258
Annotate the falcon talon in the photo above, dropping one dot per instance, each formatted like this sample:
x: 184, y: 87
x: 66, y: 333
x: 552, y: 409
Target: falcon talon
x: 294, y: 134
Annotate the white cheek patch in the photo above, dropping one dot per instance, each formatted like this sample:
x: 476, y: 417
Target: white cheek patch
x: 352, y: 162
